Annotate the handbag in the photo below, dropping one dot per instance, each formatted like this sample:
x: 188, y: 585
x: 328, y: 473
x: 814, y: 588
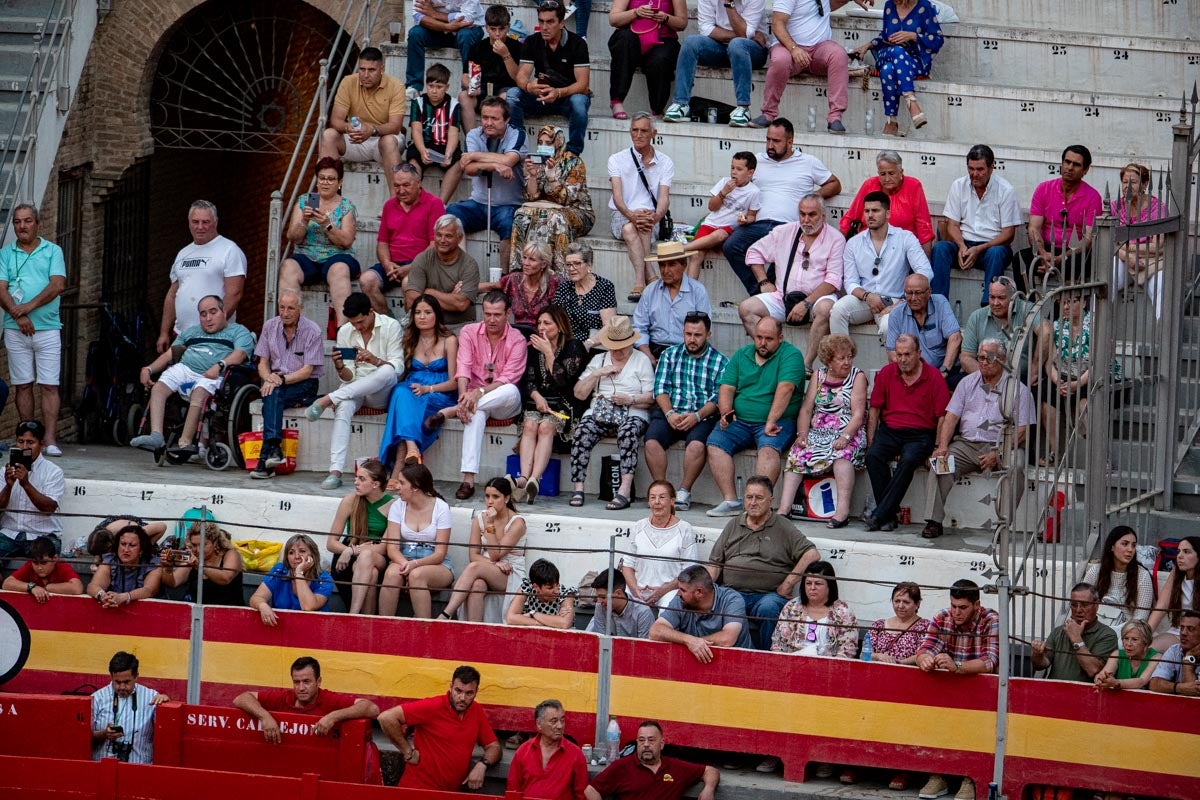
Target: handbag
x: 666, y: 225
x: 604, y: 410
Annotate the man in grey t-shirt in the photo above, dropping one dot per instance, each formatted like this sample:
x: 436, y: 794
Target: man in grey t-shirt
x: 703, y: 615
x: 629, y: 618
x: 445, y: 272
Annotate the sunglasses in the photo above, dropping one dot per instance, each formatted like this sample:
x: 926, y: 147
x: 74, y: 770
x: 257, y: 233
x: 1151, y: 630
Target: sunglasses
x: 696, y: 316
x: 878, y: 261
x: 406, y: 167
x: 804, y: 263
x: 820, y: 8
x: 812, y: 632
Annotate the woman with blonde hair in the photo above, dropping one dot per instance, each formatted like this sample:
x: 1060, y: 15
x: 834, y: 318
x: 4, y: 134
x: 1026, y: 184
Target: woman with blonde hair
x: 1132, y: 666
x: 216, y: 557
x: 531, y: 288
x: 356, y: 538
x: 295, y: 583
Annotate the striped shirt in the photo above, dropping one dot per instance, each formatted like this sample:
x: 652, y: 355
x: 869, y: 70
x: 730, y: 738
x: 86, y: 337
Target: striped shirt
x: 979, y: 638
x: 689, y: 381
x: 134, y: 713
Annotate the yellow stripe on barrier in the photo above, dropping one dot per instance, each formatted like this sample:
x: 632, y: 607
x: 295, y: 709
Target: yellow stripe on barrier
x: 396, y: 676
x: 806, y: 714
x: 62, y: 651
x: 1107, y: 746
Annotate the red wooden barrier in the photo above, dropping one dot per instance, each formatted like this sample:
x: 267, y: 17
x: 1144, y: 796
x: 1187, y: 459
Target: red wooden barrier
x: 49, y: 726
x: 207, y: 736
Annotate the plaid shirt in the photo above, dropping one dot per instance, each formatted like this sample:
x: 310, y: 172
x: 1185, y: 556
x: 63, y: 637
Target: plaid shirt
x: 979, y: 638
x: 689, y: 381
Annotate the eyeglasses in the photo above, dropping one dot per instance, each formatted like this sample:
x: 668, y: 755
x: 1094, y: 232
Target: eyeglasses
x: 327, y: 179
x: 812, y: 632
x: 985, y: 357
x: 915, y: 292
x: 549, y: 5
x: 1082, y: 603
x: 820, y: 8
x: 30, y: 426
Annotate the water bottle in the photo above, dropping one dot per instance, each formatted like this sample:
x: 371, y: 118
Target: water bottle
x: 870, y: 121
x: 355, y: 124
x: 612, y: 740
x: 812, y: 118
x: 958, y: 309
x: 868, y: 649
x: 739, y: 487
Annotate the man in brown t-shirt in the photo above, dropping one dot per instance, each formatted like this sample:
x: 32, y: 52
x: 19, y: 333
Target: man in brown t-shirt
x: 368, y: 114
x: 445, y: 271
x: 761, y: 556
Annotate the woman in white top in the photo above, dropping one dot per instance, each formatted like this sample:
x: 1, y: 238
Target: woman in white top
x: 417, y: 536
x: 1123, y: 585
x: 662, y: 545
x: 621, y: 385
x: 1179, y: 593
x: 496, y: 551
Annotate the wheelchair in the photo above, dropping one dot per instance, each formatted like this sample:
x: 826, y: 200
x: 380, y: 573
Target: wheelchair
x: 225, y: 415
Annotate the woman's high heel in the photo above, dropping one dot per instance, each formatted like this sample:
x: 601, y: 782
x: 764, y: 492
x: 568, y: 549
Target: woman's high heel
x: 919, y: 119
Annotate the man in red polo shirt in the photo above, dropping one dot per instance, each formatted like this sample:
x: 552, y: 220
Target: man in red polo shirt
x: 649, y: 775
x: 307, y: 697
x: 447, y: 729
x: 405, y: 229
x: 549, y: 767
x: 908, y: 402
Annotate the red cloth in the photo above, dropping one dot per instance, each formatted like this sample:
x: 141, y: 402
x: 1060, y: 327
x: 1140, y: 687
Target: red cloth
x: 629, y: 778
x: 910, y: 407
x: 61, y: 574
x: 445, y: 742
x: 407, y: 233
x: 910, y: 209
x: 564, y: 778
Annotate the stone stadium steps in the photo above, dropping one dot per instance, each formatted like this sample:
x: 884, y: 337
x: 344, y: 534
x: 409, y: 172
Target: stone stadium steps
x: 1164, y: 18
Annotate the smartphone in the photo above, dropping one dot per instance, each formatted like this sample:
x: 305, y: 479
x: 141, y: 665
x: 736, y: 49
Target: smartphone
x: 348, y: 353
x: 543, y: 152
x: 22, y: 457
x: 728, y: 417
x: 313, y: 201
x: 118, y: 729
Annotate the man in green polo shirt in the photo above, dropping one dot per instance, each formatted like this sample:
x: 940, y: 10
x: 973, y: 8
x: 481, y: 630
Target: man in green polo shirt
x: 997, y: 320
x: 1080, y: 647
x: 760, y: 394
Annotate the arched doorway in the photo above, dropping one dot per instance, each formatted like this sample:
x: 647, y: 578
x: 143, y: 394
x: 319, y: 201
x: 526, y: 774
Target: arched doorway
x: 232, y: 86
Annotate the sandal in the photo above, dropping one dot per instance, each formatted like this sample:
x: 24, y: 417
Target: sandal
x: 919, y: 119
x: 411, y: 459
x: 891, y: 127
x: 618, y: 502
x: 443, y: 615
x: 577, y: 499
x: 393, y: 485
x: 834, y: 524
x: 618, y: 110
x: 636, y: 293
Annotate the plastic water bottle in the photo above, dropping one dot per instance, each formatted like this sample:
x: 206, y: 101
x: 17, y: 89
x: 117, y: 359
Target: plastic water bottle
x: 870, y: 121
x: 812, y: 118
x: 868, y: 649
x: 355, y: 124
x: 612, y: 740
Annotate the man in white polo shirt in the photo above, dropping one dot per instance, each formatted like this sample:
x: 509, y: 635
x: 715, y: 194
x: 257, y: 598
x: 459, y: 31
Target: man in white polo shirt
x: 784, y: 175
x: 210, y: 265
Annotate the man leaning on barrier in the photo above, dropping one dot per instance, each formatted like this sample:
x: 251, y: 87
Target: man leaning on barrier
x: 703, y: 615
x: 123, y: 714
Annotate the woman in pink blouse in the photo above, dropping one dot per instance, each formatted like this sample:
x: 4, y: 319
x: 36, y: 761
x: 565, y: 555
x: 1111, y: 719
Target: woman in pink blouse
x: 895, y: 640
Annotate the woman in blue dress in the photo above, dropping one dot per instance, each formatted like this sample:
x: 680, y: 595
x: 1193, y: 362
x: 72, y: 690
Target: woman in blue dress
x: 428, y: 385
x: 904, y: 52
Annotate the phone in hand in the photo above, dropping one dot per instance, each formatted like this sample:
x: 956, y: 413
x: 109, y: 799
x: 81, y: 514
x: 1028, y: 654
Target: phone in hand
x: 348, y: 353
x: 727, y: 417
x: 313, y: 202
x: 118, y: 729
x: 22, y: 457
x: 177, y: 556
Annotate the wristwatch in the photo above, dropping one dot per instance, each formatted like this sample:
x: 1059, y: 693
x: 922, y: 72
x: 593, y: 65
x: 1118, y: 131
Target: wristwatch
x: 1077, y: 645
x: 31, y: 584
x: 222, y: 365
x: 1189, y: 660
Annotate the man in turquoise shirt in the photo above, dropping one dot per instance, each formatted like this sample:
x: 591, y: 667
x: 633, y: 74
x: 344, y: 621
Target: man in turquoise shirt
x: 193, y: 366
x: 33, y: 274
x: 761, y: 391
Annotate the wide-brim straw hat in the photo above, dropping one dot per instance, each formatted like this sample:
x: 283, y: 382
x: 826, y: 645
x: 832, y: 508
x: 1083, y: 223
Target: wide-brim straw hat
x: 668, y: 251
x: 617, y: 334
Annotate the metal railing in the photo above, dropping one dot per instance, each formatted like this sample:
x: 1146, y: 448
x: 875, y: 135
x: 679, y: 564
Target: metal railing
x: 298, y: 178
x: 47, y: 77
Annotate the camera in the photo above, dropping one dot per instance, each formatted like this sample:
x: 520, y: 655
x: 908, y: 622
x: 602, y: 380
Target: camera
x: 120, y: 750
x: 171, y: 556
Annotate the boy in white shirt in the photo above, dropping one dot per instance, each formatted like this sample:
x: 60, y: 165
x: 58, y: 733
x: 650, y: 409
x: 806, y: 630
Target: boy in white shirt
x: 734, y: 202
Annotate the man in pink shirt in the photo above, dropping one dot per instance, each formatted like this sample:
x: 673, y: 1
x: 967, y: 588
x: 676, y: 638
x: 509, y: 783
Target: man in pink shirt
x: 808, y: 260
x: 405, y: 229
x: 491, y: 363
x: 1061, y: 214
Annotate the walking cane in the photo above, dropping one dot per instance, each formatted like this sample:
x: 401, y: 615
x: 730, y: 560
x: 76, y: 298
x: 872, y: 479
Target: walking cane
x: 489, y: 225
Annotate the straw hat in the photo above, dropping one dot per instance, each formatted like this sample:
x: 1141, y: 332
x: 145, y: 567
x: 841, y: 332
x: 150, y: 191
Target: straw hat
x: 617, y: 334
x: 668, y: 251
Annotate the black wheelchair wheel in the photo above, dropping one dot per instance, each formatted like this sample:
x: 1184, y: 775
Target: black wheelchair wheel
x: 239, y: 420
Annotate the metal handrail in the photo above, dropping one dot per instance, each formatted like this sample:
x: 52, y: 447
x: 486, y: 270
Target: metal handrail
x: 297, y: 179
x: 23, y: 133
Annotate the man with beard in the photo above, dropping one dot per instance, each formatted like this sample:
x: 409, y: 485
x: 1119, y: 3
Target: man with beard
x: 549, y: 766
x: 785, y: 175
x: 649, y: 775
x: 447, y: 728
x: 703, y: 615
x: 809, y: 253
x: 123, y: 714
x: 685, y: 393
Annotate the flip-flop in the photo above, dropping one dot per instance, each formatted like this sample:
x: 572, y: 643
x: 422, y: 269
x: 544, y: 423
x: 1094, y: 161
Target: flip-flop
x: 576, y: 500
x: 618, y: 502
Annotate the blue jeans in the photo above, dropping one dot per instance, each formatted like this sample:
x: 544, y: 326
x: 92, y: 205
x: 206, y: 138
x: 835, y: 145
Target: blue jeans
x: 742, y: 54
x: 583, y: 10
x: 766, y: 605
x: 474, y: 217
x: 421, y: 39
x: 995, y: 261
x: 739, y: 242
x: 574, y: 108
x: 290, y: 395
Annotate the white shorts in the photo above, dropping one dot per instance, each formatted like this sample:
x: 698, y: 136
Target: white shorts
x: 43, y: 349
x: 618, y: 220
x: 368, y: 150
x: 774, y: 302
x: 177, y: 376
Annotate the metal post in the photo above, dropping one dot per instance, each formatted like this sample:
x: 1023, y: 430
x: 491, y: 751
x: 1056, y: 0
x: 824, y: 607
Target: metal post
x: 604, y: 667
x: 1003, y: 669
x: 1100, y: 384
x: 274, y: 233
x: 196, y: 638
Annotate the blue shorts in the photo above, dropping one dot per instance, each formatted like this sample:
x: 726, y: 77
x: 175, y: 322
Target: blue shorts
x: 661, y: 431
x: 741, y: 435
x: 318, y: 271
x: 384, y: 280
x: 474, y: 217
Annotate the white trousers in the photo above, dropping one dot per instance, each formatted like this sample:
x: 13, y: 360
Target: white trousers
x: 849, y: 310
x: 503, y: 401
x: 372, y: 391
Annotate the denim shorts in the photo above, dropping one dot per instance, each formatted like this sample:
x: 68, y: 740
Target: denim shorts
x: 742, y: 435
x: 318, y: 271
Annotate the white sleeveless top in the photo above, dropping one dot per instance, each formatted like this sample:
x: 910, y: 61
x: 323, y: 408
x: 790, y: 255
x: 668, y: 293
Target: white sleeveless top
x: 660, y: 554
x: 516, y: 554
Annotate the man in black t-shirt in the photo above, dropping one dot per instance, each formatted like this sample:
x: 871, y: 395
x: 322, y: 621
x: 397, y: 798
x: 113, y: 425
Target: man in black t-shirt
x: 497, y: 58
x: 555, y: 76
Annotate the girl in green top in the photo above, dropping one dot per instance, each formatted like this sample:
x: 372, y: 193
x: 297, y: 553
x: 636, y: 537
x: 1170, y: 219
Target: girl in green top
x: 356, y: 538
x: 1129, y: 667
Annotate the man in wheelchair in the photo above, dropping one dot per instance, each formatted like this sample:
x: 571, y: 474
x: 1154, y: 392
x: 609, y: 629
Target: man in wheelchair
x: 192, y: 367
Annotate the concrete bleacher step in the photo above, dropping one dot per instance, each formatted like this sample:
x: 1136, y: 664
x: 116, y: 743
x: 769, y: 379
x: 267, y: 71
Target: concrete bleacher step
x: 1165, y: 18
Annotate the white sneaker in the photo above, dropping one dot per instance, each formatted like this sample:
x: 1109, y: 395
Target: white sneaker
x: 683, y: 500
x: 52, y: 451
x: 726, y: 508
x: 677, y: 112
x: 740, y: 117
x: 412, y: 93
